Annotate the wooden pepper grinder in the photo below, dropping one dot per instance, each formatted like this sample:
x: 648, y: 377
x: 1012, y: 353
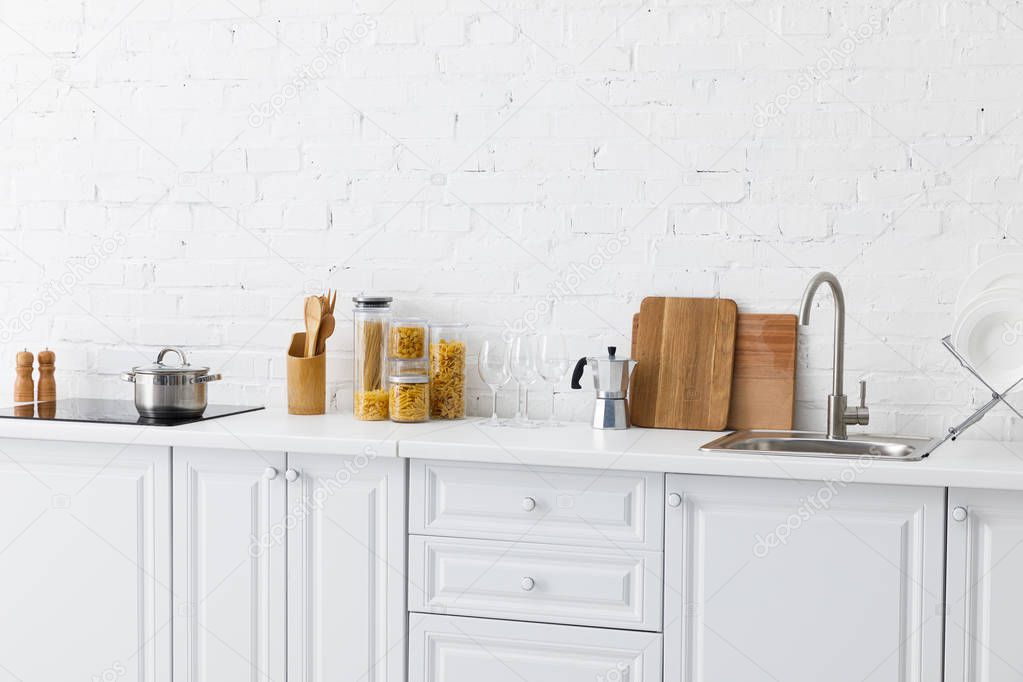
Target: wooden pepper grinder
x: 24, y: 387
x: 47, y: 382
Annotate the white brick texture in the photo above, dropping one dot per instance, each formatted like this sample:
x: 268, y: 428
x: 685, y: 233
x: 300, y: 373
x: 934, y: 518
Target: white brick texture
x: 183, y: 173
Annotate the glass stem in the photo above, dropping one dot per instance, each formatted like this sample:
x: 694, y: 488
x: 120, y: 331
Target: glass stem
x: 553, y: 393
x: 525, y: 403
x: 493, y: 413
x: 518, y: 401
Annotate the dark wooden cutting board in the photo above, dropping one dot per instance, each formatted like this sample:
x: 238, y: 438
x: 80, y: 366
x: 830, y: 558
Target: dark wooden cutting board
x: 763, y: 371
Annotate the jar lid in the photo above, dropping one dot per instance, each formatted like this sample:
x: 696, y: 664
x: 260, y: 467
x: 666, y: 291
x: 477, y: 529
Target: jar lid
x: 449, y: 325
x: 409, y: 379
x: 408, y: 322
x: 365, y: 301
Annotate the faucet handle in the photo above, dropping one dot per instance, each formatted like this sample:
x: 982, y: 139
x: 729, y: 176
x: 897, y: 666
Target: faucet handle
x: 860, y: 415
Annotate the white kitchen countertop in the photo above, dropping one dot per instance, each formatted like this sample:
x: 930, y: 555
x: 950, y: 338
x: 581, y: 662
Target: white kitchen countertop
x: 259, y: 430
x: 967, y: 463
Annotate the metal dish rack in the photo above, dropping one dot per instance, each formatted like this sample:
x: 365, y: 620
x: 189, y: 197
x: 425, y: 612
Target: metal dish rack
x: 996, y: 397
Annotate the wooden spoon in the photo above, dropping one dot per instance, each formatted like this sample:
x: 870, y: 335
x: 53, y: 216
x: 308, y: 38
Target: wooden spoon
x: 326, y: 329
x: 313, y: 319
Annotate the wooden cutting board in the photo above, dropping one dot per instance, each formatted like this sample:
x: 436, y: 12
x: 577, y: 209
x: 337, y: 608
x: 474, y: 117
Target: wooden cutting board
x: 764, y: 373
x: 685, y: 352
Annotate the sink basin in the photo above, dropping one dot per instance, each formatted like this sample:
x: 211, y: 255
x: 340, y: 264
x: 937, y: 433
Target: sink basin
x: 810, y: 444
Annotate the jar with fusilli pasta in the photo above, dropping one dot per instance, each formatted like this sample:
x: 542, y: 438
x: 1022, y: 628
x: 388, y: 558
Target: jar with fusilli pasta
x: 447, y: 370
x: 409, y: 398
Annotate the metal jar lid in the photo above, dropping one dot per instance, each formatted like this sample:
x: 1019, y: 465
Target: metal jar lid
x: 183, y: 368
x: 364, y: 301
x: 409, y: 379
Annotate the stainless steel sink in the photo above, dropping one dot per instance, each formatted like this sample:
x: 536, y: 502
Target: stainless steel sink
x: 810, y: 444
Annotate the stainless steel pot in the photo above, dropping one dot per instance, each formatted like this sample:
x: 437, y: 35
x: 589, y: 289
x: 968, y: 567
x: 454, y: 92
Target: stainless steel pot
x: 163, y: 391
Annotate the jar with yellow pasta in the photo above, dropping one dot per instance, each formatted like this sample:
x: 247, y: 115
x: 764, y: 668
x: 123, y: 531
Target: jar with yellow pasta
x: 409, y: 398
x: 447, y: 370
x: 371, y: 317
x: 406, y: 339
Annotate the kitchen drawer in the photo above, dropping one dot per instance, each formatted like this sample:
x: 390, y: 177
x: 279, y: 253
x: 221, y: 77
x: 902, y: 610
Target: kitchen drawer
x: 453, y: 649
x: 546, y: 583
x: 537, y: 504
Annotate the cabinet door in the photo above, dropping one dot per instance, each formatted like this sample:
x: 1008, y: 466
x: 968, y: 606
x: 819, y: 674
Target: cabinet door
x: 84, y: 562
x: 455, y: 649
x: 799, y: 581
x: 230, y: 538
x: 984, y: 614
x: 346, y: 569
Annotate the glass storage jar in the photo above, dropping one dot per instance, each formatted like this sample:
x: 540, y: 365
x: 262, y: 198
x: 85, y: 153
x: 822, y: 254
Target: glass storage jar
x: 407, y: 339
x: 447, y: 370
x: 409, y: 398
x: 371, y: 317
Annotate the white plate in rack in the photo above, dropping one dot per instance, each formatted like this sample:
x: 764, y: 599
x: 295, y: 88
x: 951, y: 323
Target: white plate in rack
x: 989, y: 333
x: 1001, y: 272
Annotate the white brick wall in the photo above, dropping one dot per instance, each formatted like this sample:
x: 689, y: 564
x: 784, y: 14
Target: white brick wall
x: 464, y: 155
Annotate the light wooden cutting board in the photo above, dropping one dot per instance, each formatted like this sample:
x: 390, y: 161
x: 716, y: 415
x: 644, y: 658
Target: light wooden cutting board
x: 685, y: 353
x: 764, y: 373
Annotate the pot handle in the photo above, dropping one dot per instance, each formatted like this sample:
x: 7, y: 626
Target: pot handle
x: 577, y: 374
x: 181, y: 354
x: 128, y: 376
x: 207, y: 378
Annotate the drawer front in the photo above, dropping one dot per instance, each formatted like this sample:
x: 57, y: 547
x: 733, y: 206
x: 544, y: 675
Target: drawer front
x: 545, y: 583
x: 453, y: 649
x: 537, y: 504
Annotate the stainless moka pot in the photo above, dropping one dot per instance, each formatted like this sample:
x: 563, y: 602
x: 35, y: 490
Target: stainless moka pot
x: 611, y: 380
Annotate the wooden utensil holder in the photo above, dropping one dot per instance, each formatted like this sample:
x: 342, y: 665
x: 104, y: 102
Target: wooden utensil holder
x: 307, y: 379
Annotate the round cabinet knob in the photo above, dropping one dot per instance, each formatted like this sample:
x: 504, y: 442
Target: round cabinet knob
x: 527, y: 584
x: 674, y: 500
x: 528, y: 504
x: 959, y: 513
x: 291, y: 475
x: 270, y: 473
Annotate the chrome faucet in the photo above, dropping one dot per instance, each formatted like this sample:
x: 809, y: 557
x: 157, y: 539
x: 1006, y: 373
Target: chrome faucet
x: 840, y: 415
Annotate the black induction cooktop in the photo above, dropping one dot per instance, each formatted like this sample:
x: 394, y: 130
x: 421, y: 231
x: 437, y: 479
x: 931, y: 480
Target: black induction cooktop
x: 109, y: 412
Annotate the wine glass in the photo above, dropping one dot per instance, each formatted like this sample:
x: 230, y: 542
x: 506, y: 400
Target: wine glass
x: 493, y: 368
x: 552, y: 365
x: 522, y: 363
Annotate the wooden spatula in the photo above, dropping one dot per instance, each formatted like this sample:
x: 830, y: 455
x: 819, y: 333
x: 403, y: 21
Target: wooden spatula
x: 313, y: 320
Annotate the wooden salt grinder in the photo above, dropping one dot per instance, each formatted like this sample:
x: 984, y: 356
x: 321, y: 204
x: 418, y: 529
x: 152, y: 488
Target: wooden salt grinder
x: 24, y: 387
x: 47, y: 382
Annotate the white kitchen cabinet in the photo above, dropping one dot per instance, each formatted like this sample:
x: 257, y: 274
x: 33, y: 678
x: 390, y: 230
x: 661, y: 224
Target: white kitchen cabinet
x: 346, y: 569
x: 604, y: 587
x: 454, y: 649
x: 85, y: 562
x: 553, y: 505
x: 230, y: 543
x: 984, y: 586
x: 289, y: 567
x: 770, y: 580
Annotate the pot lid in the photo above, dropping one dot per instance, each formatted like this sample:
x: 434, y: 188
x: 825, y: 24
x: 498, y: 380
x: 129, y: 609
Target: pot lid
x: 159, y: 367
